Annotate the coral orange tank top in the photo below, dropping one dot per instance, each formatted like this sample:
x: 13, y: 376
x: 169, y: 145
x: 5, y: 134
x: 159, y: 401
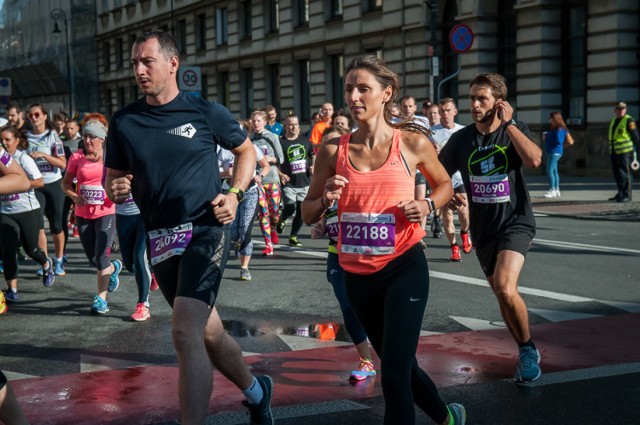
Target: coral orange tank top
x: 373, y: 231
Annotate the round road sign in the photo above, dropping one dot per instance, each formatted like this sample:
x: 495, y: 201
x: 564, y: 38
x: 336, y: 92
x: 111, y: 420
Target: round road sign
x: 190, y: 78
x: 461, y: 38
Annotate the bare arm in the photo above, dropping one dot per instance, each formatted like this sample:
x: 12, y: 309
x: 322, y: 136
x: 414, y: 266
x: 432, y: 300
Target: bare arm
x: 12, y: 178
x: 529, y: 152
x: 67, y: 188
x: 421, y: 150
x: 244, y: 165
x: 326, y: 186
x: 265, y: 168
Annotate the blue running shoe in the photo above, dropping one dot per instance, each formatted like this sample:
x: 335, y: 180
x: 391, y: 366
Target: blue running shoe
x: 11, y: 296
x: 49, y: 276
x: 261, y: 413
x: 528, y: 367
x: 58, y: 267
x: 458, y: 413
x: 114, y: 280
x: 99, y: 305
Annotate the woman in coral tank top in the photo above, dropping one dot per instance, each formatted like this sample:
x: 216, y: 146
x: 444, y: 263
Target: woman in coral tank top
x: 370, y: 173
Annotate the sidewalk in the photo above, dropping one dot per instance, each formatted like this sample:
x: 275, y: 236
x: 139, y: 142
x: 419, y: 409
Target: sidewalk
x: 583, y: 198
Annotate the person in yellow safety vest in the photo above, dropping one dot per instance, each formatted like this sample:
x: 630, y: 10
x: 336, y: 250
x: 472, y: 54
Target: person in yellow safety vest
x: 623, y: 135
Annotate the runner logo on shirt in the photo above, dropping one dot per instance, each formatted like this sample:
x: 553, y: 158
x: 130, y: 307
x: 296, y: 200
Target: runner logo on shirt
x: 488, y: 175
x: 186, y: 130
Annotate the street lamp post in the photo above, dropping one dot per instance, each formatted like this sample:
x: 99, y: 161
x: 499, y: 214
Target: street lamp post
x: 59, y: 14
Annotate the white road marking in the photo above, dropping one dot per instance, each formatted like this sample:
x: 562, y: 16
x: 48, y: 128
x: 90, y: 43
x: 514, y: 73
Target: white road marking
x: 585, y: 374
x: 560, y: 316
x: 478, y: 324
x: 585, y: 247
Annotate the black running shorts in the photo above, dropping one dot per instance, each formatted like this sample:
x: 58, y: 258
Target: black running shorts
x: 515, y: 239
x: 198, y: 271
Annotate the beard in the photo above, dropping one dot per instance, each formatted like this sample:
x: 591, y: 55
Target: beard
x: 486, y: 118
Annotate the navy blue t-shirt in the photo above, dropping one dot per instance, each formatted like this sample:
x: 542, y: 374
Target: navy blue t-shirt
x: 171, y: 152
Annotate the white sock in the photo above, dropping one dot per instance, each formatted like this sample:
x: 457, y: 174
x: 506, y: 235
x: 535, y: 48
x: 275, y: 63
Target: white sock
x: 254, y: 393
x: 14, y: 290
x: 46, y: 266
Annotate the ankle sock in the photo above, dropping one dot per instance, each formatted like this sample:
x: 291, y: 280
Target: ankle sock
x: 254, y: 393
x: 527, y: 344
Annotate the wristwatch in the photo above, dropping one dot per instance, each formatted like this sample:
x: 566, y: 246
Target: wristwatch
x: 239, y: 193
x: 510, y: 122
x: 432, y: 205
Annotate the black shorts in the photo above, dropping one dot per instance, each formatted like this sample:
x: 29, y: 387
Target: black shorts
x: 420, y: 179
x: 518, y: 240
x: 3, y: 380
x: 198, y: 271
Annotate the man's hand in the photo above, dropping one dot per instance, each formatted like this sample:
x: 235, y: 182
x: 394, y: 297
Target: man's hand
x: 121, y: 188
x: 225, y: 207
x: 457, y: 202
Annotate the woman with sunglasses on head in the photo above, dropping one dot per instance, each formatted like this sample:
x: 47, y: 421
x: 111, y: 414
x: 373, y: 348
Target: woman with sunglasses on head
x: 20, y: 216
x: 370, y: 175
x: 95, y: 213
x: 46, y: 148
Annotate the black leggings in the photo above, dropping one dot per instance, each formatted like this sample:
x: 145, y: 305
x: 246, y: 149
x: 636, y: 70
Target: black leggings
x: 288, y: 211
x: 96, y: 236
x: 51, y: 199
x: 390, y: 305
x: 20, y: 227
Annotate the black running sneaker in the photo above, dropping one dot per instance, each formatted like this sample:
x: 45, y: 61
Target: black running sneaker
x: 261, y: 413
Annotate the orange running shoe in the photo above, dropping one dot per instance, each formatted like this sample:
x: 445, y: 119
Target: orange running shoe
x: 467, y: 246
x: 455, y: 253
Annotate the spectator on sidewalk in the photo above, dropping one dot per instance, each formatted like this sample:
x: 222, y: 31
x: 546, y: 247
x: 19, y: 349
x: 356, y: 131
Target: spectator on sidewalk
x: 555, y: 140
x: 623, y: 135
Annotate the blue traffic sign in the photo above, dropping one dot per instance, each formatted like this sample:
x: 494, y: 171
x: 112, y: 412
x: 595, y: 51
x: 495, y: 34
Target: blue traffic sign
x: 461, y: 38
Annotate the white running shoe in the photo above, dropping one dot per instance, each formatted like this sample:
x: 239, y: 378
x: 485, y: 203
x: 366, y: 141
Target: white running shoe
x: 558, y: 193
x: 550, y: 194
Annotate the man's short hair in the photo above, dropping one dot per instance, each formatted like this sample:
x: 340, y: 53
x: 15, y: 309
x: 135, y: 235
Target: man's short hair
x: 496, y: 82
x: 269, y: 108
x: 446, y: 100
x: 14, y: 105
x: 166, y: 41
x: 407, y: 97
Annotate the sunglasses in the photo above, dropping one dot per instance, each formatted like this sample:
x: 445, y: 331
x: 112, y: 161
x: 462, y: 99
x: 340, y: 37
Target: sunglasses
x: 34, y: 115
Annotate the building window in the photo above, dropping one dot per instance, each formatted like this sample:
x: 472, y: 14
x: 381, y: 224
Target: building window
x: 273, y: 85
x: 300, y: 13
x: 449, y: 61
x: 332, y: 9
x: 224, y: 88
x: 121, y: 97
x: 246, y: 19
x: 335, y: 70
x: 106, y: 56
x: 303, y: 89
x: 132, y: 41
x: 271, y: 16
x: 507, y: 42
x: 181, y: 36
x: 133, y: 92
x: 119, y: 53
x: 371, y: 6
x: 204, y: 92
x: 574, y: 63
x: 222, y: 26
x: 246, y: 91
x: 164, y: 28
x: 108, y: 106
x: 201, y: 32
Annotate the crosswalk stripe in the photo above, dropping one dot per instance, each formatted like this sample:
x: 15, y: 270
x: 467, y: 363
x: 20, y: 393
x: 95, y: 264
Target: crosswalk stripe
x: 478, y: 324
x: 561, y: 316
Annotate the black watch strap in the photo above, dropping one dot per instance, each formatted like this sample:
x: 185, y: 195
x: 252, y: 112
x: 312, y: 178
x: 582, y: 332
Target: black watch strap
x: 510, y: 122
x: 432, y: 205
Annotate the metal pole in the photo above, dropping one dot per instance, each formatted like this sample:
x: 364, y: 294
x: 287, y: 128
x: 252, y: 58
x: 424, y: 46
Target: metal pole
x: 57, y: 14
x: 449, y: 77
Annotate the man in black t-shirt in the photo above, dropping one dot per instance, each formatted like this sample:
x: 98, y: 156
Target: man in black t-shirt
x: 162, y: 150
x: 295, y: 175
x: 489, y: 154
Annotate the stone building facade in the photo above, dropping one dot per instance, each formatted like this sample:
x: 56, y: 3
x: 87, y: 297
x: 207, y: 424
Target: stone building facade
x: 574, y: 56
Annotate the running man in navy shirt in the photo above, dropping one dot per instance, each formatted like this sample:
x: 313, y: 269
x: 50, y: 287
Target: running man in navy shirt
x: 162, y: 150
